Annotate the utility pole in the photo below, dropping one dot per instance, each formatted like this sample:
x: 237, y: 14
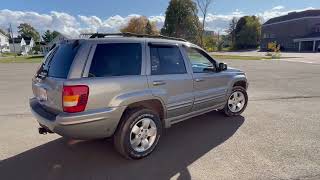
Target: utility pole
x: 13, y: 43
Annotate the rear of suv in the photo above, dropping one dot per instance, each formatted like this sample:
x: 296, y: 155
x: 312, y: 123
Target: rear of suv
x: 130, y: 87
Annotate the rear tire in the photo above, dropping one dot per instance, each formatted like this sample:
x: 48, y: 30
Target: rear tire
x: 138, y: 133
x: 236, y: 102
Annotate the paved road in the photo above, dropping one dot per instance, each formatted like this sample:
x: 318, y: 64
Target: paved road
x: 278, y: 136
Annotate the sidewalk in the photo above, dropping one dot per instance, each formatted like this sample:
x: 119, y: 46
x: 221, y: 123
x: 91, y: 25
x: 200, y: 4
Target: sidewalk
x: 312, y: 58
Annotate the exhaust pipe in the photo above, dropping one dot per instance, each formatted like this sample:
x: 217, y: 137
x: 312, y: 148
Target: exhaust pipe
x: 43, y: 131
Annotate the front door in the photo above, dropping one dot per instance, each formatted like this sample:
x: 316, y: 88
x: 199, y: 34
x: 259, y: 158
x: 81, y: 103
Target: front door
x: 210, y: 86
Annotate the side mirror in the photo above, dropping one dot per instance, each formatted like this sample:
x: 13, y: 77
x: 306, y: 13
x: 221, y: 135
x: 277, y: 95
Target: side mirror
x: 223, y: 66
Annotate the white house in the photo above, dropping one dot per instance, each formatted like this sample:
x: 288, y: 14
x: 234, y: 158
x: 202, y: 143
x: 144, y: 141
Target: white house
x: 4, y: 43
x: 21, y: 45
x: 45, y: 47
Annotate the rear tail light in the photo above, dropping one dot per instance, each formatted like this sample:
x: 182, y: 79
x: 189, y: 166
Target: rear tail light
x: 75, y: 98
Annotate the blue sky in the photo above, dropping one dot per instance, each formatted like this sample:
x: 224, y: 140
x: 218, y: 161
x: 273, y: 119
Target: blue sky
x: 76, y: 16
x: 144, y: 7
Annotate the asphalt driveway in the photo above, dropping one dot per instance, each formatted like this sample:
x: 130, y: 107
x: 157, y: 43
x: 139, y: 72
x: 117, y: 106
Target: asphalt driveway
x: 278, y: 136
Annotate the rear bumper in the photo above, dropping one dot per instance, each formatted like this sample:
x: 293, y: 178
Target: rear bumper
x: 91, y: 124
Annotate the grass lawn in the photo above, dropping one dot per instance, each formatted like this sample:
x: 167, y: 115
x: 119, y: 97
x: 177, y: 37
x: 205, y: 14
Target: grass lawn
x: 21, y: 59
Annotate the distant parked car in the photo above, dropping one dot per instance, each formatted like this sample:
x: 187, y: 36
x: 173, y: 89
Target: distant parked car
x: 131, y: 87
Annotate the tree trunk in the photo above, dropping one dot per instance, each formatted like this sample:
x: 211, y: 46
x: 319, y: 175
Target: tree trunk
x: 202, y: 30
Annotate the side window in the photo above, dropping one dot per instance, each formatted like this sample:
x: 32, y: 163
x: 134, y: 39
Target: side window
x: 166, y: 60
x: 116, y: 59
x: 199, y: 61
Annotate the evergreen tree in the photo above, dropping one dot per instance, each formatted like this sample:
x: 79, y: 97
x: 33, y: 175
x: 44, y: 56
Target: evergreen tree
x: 182, y: 21
x: 48, y: 36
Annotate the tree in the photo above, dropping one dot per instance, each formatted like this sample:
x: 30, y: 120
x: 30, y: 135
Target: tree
x: 181, y: 20
x: 204, y: 7
x: 48, y: 36
x: 27, y: 31
x: 232, y: 30
x: 148, y: 28
x: 248, y: 31
x: 210, y: 43
x: 140, y: 25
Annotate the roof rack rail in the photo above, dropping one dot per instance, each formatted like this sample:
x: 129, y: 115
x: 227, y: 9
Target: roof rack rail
x: 127, y: 34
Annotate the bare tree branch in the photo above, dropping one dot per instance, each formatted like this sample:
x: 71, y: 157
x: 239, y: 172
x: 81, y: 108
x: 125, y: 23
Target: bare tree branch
x: 204, y: 7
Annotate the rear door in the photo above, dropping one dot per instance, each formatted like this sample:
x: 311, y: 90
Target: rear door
x: 210, y: 86
x: 57, y: 64
x: 169, y: 79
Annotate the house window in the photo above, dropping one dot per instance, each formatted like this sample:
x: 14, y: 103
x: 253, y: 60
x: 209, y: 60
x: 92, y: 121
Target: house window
x: 317, y: 28
x: 267, y: 36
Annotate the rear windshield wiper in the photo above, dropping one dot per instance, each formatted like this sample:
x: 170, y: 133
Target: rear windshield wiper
x: 42, y: 73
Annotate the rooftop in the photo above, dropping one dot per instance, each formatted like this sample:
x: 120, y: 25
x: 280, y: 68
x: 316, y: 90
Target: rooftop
x: 19, y: 39
x: 15, y: 40
x: 294, y: 15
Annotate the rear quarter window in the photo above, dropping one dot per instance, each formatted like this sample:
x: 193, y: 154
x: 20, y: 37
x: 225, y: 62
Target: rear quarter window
x: 60, y: 60
x: 116, y: 59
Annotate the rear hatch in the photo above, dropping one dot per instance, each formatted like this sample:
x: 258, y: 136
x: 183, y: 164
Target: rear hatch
x: 47, y: 85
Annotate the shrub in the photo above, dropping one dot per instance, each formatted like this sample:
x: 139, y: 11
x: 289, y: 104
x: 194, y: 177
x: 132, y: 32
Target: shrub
x: 275, y: 52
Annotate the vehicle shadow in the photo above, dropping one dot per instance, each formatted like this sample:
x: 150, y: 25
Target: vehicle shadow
x: 179, y: 147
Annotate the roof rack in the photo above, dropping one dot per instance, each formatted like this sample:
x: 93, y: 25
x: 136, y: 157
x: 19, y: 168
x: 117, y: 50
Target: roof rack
x: 127, y: 34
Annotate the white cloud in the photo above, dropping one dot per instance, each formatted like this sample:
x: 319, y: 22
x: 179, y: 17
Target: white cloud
x: 278, y: 8
x: 74, y: 25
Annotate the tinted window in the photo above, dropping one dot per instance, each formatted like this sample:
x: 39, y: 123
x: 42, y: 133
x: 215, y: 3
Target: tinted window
x: 60, y: 59
x: 199, y: 61
x: 117, y: 59
x: 166, y: 60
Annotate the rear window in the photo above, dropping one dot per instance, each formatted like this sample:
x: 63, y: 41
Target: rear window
x: 116, y: 59
x: 60, y: 59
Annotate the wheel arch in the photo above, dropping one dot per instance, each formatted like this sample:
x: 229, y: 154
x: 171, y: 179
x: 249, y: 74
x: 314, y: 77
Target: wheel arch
x: 153, y: 104
x: 239, y: 80
x: 241, y: 83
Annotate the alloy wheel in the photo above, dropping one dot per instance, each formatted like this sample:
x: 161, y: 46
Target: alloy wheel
x: 143, y: 134
x: 236, y: 101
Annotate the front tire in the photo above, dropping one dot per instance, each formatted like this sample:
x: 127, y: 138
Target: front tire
x: 237, y: 102
x: 138, y: 133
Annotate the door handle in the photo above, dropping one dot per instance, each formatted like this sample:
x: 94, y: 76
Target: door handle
x: 199, y: 80
x: 158, y: 83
